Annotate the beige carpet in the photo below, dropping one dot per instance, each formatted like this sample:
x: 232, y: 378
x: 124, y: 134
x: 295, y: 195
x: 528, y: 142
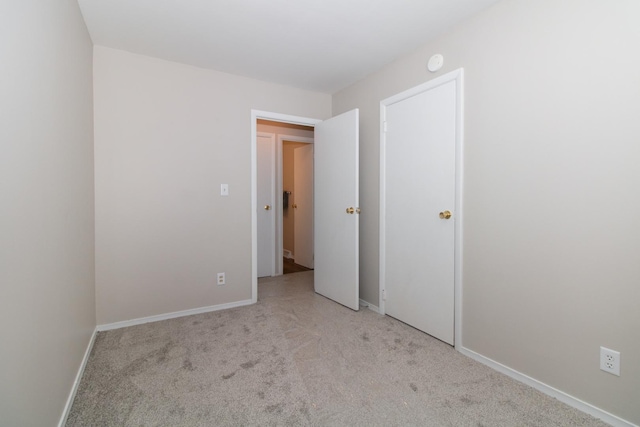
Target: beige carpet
x: 296, y: 358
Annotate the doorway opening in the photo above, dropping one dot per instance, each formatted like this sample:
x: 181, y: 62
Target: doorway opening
x: 297, y: 213
x: 289, y: 133
x: 336, y: 201
x: 285, y: 191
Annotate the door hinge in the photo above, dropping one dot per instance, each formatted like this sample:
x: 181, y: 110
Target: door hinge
x: 384, y: 295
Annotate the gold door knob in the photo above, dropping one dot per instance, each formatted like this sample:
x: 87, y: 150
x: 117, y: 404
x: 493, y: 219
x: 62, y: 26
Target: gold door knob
x: 267, y: 207
x: 350, y: 211
x: 445, y: 215
x: 294, y: 206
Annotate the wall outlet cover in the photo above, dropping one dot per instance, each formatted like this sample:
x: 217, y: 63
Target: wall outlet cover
x: 610, y: 361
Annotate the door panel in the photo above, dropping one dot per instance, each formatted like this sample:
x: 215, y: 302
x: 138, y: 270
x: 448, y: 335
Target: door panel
x: 303, y: 197
x: 419, y: 183
x: 336, y: 190
x: 266, y: 218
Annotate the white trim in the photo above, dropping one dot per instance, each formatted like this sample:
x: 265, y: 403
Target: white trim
x: 458, y: 243
x: 548, y: 390
x: 293, y: 138
x: 173, y: 315
x: 279, y: 210
x: 254, y: 204
x: 76, y: 382
x: 382, y: 239
x: 370, y: 306
x: 279, y: 243
x: 133, y: 322
x: 458, y: 77
x: 266, y: 115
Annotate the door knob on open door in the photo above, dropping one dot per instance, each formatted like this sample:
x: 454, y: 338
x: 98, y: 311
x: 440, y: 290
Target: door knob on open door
x: 267, y: 207
x: 445, y: 215
x: 350, y: 211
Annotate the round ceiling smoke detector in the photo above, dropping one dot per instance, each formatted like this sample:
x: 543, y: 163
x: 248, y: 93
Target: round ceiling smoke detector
x: 435, y: 63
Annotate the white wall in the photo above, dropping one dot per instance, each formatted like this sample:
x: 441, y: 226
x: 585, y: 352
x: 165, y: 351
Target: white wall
x: 47, y: 307
x: 166, y: 136
x: 552, y: 206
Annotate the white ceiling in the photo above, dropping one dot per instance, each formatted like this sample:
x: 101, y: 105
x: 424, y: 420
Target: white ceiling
x: 320, y: 45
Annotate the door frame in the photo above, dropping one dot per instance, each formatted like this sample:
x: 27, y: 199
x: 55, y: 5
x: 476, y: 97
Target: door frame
x: 279, y: 189
x: 457, y: 76
x: 276, y: 117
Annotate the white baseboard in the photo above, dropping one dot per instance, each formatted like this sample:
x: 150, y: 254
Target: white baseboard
x: 76, y: 383
x: 548, y: 390
x: 287, y: 254
x: 173, y: 315
x: 117, y: 325
x: 372, y: 307
x: 518, y: 376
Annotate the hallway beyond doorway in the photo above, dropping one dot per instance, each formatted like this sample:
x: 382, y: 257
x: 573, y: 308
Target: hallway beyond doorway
x: 289, y: 266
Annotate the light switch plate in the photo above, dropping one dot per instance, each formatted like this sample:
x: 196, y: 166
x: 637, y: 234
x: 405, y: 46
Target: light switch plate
x: 224, y: 189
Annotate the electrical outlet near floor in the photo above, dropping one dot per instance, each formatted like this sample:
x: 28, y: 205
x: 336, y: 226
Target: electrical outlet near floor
x: 610, y: 361
x: 221, y: 280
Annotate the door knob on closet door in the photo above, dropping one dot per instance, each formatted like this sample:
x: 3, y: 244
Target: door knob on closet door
x: 267, y: 207
x: 445, y: 215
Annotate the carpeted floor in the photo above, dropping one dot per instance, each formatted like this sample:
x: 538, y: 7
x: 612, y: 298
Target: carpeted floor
x: 296, y: 358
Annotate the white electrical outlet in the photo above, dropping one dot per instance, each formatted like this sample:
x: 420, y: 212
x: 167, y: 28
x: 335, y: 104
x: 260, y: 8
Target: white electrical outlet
x: 610, y: 361
x: 221, y: 280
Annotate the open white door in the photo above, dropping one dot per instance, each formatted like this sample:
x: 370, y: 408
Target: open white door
x: 303, y: 204
x: 266, y: 200
x: 337, y: 209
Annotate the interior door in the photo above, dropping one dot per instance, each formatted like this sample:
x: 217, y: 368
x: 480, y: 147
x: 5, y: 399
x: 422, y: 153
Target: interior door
x: 419, y: 199
x: 337, y: 209
x: 266, y: 218
x: 303, y: 202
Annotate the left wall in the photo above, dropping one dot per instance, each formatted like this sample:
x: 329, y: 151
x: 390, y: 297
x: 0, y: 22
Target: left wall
x: 47, y: 303
x: 167, y: 135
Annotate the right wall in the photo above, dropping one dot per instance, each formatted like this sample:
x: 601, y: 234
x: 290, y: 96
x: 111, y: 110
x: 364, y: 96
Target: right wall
x: 551, y: 249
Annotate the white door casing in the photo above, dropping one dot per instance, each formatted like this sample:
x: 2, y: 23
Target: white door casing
x: 341, y: 138
x: 303, y: 200
x: 421, y: 163
x: 266, y: 217
x: 335, y: 191
x: 267, y: 115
